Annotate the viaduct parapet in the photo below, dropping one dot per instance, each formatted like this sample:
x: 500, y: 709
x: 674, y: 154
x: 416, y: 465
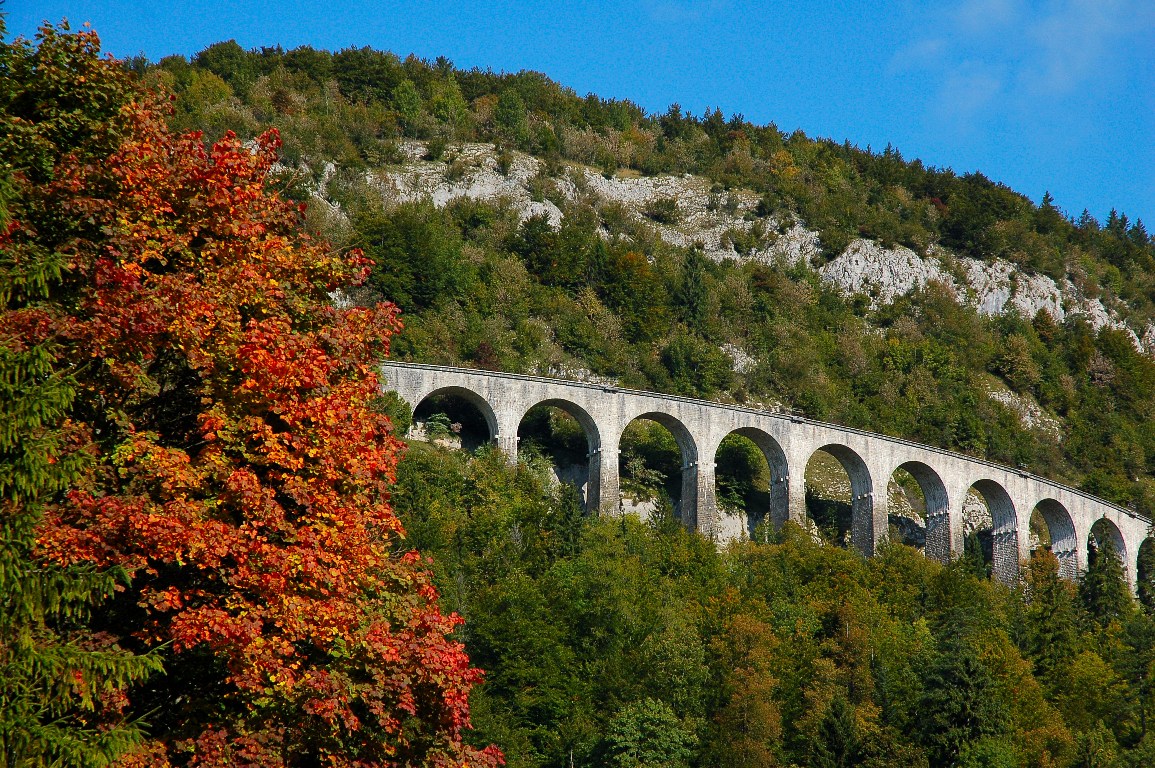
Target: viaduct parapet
x: 788, y: 442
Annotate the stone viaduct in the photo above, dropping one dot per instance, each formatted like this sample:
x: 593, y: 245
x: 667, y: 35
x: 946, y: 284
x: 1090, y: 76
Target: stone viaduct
x: 788, y: 442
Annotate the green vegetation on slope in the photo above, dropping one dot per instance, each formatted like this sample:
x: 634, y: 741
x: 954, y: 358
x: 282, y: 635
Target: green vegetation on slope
x: 613, y: 642
x: 605, y: 294
x: 349, y: 107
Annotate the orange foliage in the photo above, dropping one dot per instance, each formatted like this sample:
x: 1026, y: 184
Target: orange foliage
x: 239, y: 469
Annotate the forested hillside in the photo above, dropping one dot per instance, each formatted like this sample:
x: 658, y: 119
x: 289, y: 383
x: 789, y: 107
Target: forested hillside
x: 600, y: 292
x: 616, y: 642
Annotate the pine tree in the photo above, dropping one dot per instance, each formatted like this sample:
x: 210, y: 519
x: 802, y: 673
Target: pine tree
x: 1137, y: 665
x: 973, y: 561
x: 1145, y: 588
x: 691, y: 294
x: 838, y: 744
x: 1052, y: 618
x: 959, y: 704
x: 1138, y: 234
x: 1103, y: 588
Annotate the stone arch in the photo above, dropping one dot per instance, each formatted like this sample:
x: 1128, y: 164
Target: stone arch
x: 938, y: 537
x: 581, y: 415
x: 1004, y: 531
x: 468, y: 396
x: 588, y: 484
x: 682, y: 436
x: 1103, y: 530
x: 863, y: 533
x: 1145, y: 573
x: 686, y: 506
x: 1063, y: 539
x: 777, y: 509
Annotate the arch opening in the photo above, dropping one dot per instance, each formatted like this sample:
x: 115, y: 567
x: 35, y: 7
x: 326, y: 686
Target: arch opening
x: 655, y: 452
x: 1052, y: 528
x: 840, y: 498
x: 918, y: 511
x: 991, y: 531
x: 1145, y: 575
x: 454, y: 417
x: 750, y: 481
x: 565, y: 436
x: 1104, y: 533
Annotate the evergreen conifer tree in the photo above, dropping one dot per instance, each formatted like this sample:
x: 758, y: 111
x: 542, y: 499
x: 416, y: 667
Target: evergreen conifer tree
x: 1103, y: 589
x: 838, y: 744
x: 972, y: 561
x: 1145, y: 586
x: 1137, y: 666
x: 959, y: 704
x: 691, y: 294
x: 1052, y: 618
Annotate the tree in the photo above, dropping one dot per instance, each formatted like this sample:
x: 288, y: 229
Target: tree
x: 234, y: 464
x: 511, y: 117
x: 691, y: 294
x: 1096, y: 748
x: 407, y: 102
x: 61, y: 686
x: 1145, y: 571
x: 747, y: 728
x: 959, y: 705
x: 1052, y: 619
x: 1103, y: 588
x: 696, y: 367
x: 647, y: 734
x: 1137, y: 665
x: 838, y: 744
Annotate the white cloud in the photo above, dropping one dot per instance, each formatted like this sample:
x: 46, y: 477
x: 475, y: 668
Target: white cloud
x: 1073, y: 42
x: 918, y: 55
x: 683, y: 11
x: 968, y: 92
x: 984, y: 16
x: 1023, y: 54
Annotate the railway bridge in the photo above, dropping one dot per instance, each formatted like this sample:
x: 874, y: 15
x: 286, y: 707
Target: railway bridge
x: 1073, y: 518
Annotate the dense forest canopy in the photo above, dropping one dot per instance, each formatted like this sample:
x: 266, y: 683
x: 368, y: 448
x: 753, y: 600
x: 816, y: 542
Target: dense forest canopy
x: 616, y: 642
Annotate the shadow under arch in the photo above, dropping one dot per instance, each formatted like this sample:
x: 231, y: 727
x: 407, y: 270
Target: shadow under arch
x: 934, y: 494
x: 862, y: 524
x: 1004, y: 532
x: 467, y: 395
x: 591, y: 498
x: 1145, y: 573
x: 685, y: 506
x: 1064, y: 540
x: 581, y: 416
x: 778, y: 509
x: 1104, y: 530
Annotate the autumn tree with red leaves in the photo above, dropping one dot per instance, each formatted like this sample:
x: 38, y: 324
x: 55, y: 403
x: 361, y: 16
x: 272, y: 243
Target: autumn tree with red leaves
x: 231, y: 454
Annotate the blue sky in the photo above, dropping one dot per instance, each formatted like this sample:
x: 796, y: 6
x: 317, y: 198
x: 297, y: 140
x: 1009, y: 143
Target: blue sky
x: 1041, y: 95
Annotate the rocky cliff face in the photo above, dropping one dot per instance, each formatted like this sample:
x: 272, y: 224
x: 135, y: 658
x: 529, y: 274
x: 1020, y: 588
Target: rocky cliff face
x: 884, y: 274
x: 724, y: 224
